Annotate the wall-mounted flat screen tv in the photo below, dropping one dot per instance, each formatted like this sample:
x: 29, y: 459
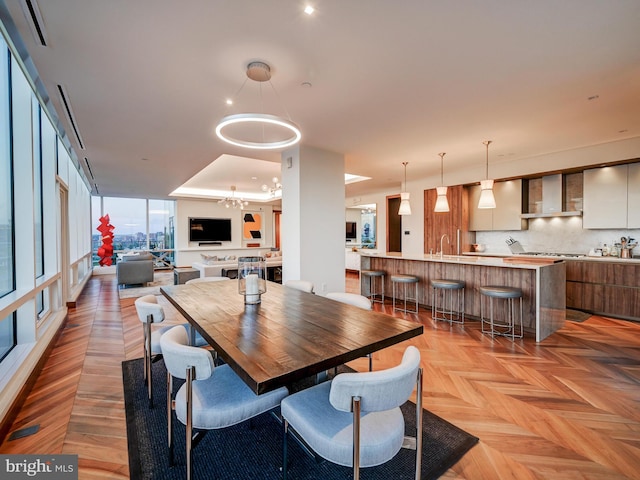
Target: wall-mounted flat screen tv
x: 351, y: 231
x: 209, y: 229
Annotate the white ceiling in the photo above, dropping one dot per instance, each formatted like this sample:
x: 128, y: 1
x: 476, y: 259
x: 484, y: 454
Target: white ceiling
x: 391, y: 81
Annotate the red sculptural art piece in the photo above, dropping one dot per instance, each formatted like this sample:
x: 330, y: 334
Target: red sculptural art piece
x: 105, y: 252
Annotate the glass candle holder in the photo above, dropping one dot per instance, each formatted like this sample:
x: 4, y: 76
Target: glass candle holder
x: 252, y: 278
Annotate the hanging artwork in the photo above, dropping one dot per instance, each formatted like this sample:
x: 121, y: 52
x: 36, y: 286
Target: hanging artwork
x: 252, y: 229
x: 105, y: 252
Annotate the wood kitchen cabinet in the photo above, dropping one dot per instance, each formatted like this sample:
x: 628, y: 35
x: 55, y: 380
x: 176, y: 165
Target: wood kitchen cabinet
x: 610, y: 288
x: 506, y: 215
x: 457, y: 218
x: 611, y: 197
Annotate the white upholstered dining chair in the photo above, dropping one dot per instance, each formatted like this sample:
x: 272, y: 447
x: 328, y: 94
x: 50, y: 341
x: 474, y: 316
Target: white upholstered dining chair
x: 356, y: 300
x: 151, y: 312
x: 206, y: 279
x: 351, y: 299
x: 355, y: 419
x: 211, y: 397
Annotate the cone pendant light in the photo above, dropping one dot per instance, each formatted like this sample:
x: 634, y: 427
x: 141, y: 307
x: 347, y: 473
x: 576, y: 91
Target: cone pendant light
x: 405, y: 206
x: 487, y: 200
x: 442, y: 204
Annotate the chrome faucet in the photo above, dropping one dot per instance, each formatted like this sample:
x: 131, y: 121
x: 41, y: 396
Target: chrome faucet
x: 441, y: 240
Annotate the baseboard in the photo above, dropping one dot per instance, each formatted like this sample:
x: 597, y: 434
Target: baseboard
x: 73, y: 297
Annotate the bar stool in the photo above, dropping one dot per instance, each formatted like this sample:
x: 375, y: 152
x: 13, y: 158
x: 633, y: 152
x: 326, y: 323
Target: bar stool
x: 373, y: 274
x: 455, y: 313
x: 405, y: 280
x: 507, y: 326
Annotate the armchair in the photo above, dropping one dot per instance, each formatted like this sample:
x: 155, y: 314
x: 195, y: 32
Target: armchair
x: 134, y: 269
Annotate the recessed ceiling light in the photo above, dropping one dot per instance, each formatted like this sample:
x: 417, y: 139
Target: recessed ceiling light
x: 309, y: 10
x: 229, y: 101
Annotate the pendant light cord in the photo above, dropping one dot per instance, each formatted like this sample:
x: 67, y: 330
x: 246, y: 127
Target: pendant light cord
x: 442, y: 168
x: 487, y: 142
x: 405, y: 175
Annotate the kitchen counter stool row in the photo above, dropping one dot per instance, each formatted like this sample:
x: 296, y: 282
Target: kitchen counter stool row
x: 447, y: 301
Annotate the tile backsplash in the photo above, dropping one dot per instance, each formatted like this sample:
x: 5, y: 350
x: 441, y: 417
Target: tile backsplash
x: 556, y: 234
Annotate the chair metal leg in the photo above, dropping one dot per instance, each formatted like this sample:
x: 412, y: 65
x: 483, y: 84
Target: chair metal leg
x: 191, y: 372
x: 148, y: 361
x: 144, y: 352
x: 419, y: 425
x: 355, y: 407
x: 284, y: 449
x: 170, y: 416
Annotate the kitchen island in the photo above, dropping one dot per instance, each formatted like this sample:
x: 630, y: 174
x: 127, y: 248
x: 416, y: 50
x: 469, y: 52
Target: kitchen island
x: 542, y: 281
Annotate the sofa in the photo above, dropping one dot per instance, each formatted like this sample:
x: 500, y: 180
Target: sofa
x: 213, y: 266
x: 135, y: 269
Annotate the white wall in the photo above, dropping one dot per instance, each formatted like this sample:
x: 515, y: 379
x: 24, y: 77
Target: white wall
x: 558, y: 234
x: 189, y: 252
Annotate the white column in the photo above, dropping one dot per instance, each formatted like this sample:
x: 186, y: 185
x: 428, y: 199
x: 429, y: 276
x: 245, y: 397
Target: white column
x: 312, y: 229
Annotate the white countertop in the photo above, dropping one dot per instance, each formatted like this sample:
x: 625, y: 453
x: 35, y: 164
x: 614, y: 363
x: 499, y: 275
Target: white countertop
x: 489, y: 261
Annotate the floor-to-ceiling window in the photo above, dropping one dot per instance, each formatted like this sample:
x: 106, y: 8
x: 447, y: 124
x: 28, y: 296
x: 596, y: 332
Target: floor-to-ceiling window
x: 139, y: 224
x: 43, y: 263
x: 161, y: 234
x: 129, y: 217
x: 7, y: 324
x: 38, y: 233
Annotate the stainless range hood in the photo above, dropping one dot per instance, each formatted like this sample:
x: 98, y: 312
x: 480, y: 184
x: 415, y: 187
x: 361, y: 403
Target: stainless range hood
x: 552, y: 194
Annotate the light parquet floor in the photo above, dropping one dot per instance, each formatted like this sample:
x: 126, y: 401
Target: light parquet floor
x: 567, y: 408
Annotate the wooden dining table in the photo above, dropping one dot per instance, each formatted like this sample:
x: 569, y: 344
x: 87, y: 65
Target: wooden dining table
x: 289, y: 336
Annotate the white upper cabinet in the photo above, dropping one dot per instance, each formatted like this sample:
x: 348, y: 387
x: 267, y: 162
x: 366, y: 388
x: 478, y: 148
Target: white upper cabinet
x: 608, y: 194
x: 506, y: 215
x: 480, y: 219
x: 633, y: 196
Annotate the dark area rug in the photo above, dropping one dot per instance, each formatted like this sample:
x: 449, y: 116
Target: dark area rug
x: 253, y: 449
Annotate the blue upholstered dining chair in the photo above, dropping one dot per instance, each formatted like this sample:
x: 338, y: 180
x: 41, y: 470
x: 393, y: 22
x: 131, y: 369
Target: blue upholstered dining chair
x: 212, y: 397
x: 151, y: 312
x: 355, y: 419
